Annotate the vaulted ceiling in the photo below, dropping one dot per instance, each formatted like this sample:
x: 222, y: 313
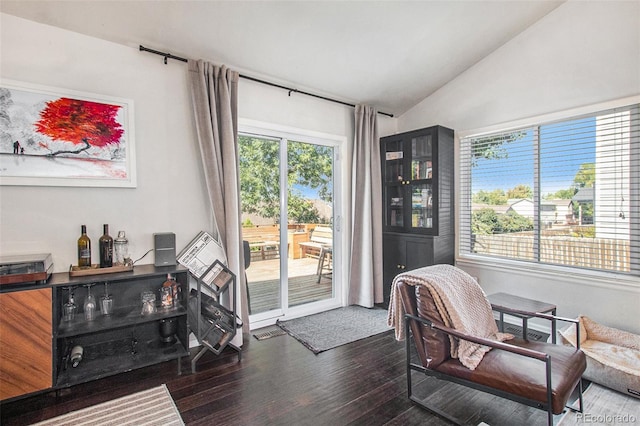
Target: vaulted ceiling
x: 389, y: 54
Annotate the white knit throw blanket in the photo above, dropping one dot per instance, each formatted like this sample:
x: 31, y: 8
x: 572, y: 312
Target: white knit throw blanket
x: 461, y: 303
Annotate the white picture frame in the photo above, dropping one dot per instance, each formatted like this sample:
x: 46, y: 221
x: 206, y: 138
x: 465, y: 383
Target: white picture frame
x: 65, y: 137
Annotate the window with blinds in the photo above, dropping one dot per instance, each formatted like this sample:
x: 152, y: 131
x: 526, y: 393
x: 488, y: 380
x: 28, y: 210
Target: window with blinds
x: 562, y: 193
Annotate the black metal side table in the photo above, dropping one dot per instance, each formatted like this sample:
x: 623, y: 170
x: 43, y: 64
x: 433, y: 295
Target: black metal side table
x: 506, y: 303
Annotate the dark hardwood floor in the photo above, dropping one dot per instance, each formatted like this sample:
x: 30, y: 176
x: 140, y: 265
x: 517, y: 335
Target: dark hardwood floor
x: 280, y: 382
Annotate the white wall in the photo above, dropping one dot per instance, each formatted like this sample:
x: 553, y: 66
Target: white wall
x: 582, y: 53
x: 170, y: 195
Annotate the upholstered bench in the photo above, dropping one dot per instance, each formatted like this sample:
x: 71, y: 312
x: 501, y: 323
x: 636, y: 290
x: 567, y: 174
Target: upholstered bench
x: 613, y: 356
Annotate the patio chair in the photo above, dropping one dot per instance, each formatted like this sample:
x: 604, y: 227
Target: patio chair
x: 325, y: 261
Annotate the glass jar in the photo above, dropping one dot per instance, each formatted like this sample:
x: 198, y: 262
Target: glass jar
x: 148, y: 303
x: 121, y: 250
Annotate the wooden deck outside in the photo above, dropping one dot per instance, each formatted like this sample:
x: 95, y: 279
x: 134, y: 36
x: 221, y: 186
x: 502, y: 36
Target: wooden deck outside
x: 263, y: 278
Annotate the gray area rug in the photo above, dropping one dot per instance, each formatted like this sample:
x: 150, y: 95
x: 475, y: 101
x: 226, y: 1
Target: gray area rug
x: 337, y: 327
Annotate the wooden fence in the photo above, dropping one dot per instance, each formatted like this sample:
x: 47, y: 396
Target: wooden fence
x: 599, y: 253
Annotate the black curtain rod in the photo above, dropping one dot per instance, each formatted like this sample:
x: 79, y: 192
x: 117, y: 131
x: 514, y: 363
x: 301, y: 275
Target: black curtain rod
x: 257, y: 80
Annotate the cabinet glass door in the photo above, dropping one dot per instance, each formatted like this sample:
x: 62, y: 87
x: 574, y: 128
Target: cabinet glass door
x: 421, y: 161
x: 394, y: 202
x: 421, y: 186
x: 421, y: 205
x: 393, y: 161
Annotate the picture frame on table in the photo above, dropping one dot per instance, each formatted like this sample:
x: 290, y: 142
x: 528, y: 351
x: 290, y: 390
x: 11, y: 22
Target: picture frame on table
x: 62, y: 137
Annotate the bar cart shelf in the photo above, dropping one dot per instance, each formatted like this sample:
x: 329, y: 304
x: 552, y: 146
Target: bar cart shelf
x: 125, y: 339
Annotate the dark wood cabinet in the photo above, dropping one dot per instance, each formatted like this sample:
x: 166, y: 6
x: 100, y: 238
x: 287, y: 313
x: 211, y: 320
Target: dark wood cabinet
x: 126, y: 339
x: 418, y: 201
x: 36, y: 341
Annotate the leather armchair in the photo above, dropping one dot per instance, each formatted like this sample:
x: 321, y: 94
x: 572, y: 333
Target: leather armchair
x: 538, y: 374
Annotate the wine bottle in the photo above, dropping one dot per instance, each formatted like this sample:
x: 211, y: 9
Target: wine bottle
x: 169, y: 293
x: 84, y: 249
x: 76, y: 355
x: 106, y: 249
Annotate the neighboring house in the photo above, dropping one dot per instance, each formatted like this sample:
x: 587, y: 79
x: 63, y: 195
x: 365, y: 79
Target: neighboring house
x: 553, y: 212
x: 325, y: 210
x: 524, y: 207
x: 584, y: 197
x: 558, y: 211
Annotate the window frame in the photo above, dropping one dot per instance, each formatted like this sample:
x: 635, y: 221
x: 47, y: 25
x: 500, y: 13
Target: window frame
x: 463, y: 199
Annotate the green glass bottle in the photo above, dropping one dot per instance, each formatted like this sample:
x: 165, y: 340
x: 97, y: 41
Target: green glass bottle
x: 84, y: 249
x: 106, y: 249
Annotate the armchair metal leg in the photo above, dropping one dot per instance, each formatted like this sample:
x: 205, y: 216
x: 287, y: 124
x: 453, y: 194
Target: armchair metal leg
x: 580, y: 396
x: 411, y: 367
x: 580, y: 400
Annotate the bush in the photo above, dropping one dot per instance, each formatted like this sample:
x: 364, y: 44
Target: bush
x: 486, y: 221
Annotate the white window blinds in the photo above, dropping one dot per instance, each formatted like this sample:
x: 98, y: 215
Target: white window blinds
x: 562, y: 193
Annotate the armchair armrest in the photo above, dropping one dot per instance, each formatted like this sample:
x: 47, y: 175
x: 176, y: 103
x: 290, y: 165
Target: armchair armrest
x: 482, y: 341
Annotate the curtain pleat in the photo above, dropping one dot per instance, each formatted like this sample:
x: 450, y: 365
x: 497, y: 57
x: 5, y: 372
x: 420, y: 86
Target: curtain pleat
x: 214, y: 93
x: 365, y: 283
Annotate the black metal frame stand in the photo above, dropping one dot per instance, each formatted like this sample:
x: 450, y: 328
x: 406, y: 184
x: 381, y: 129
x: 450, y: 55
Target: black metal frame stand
x: 217, y: 326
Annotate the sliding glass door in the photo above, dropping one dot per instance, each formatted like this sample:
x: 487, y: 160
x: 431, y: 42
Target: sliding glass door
x: 288, y: 214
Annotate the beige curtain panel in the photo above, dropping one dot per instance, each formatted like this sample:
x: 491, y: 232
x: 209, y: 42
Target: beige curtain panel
x: 214, y: 92
x: 365, y: 283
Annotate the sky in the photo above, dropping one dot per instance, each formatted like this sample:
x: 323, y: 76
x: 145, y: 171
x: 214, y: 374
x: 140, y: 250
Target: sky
x: 565, y: 147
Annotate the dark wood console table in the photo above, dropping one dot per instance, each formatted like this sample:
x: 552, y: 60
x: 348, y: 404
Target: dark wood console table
x: 504, y: 303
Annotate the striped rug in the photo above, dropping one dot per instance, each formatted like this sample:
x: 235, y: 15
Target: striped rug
x: 150, y: 407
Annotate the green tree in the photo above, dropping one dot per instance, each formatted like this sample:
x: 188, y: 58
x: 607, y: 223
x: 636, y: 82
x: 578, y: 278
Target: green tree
x: 484, y: 221
x: 514, y: 222
x: 309, y: 166
x: 492, y: 147
x: 496, y: 197
x: 487, y: 221
x: 520, y: 192
x: 586, y: 176
x: 562, y: 194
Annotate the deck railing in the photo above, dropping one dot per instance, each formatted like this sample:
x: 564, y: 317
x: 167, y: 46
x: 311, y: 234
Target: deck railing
x: 264, y: 240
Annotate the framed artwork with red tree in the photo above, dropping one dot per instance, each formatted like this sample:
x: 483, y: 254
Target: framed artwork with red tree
x: 56, y: 137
